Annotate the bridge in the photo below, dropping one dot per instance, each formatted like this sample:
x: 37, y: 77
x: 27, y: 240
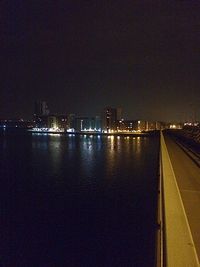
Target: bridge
x: 178, y: 235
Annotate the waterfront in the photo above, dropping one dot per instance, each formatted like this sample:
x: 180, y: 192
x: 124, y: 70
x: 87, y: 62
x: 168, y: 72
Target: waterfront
x: 78, y: 200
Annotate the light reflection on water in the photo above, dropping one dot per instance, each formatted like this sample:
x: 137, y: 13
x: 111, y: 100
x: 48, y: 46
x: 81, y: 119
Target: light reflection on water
x: 138, y: 145
x: 87, y: 148
x: 85, y: 151
x: 55, y: 153
x: 91, y: 193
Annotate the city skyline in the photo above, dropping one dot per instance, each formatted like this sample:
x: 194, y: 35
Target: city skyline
x: 42, y: 108
x: 81, y: 57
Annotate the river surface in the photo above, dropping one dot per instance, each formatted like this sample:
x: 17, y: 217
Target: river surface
x: 77, y: 200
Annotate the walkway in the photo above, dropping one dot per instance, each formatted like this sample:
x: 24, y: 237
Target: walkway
x: 187, y: 177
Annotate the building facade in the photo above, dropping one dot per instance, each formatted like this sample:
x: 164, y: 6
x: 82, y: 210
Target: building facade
x: 87, y: 124
x: 109, y: 119
x: 41, y: 113
x: 41, y: 108
x: 138, y: 125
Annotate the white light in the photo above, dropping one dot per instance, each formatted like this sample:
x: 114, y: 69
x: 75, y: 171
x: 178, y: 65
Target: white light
x: 172, y: 126
x: 70, y: 130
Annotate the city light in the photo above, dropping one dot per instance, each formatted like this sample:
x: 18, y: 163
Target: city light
x: 46, y: 130
x: 71, y: 130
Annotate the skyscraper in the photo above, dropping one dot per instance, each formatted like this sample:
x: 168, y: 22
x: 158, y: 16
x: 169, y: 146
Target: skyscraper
x: 119, y: 113
x: 109, y: 119
x: 41, y: 108
x: 41, y: 113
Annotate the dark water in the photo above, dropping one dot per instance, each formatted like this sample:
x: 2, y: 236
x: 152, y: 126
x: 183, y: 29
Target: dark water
x: 77, y: 201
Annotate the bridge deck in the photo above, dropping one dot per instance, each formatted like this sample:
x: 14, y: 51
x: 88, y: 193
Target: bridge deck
x: 187, y: 175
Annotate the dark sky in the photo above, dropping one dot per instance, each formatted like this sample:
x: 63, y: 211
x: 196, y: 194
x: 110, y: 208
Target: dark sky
x: 81, y: 56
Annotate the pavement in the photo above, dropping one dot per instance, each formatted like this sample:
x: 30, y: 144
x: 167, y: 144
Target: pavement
x: 187, y: 179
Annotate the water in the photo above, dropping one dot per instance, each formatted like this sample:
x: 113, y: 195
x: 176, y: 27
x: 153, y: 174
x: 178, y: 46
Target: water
x: 77, y: 200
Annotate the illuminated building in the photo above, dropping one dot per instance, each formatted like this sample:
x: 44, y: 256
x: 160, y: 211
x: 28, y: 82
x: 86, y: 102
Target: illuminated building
x: 153, y: 125
x: 52, y: 122
x: 58, y: 121
x: 140, y: 125
x: 125, y: 125
x: 109, y: 119
x: 41, y: 113
x: 137, y: 125
x: 62, y: 122
x: 71, y: 121
x: 131, y: 125
x: 87, y: 124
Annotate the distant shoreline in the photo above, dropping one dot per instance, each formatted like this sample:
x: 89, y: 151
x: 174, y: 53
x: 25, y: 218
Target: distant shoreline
x: 28, y: 130
x: 98, y: 134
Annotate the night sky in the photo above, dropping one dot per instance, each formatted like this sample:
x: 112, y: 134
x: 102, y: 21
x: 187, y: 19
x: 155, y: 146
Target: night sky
x: 81, y: 56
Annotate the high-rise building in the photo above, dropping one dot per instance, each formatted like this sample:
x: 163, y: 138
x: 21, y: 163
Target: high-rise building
x: 71, y: 121
x: 41, y: 108
x: 109, y: 119
x: 62, y: 121
x: 52, y: 121
x: 41, y: 113
x: 119, y: 113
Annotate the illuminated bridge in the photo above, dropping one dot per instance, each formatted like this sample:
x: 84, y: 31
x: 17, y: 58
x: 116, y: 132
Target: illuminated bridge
x: 178, y: 236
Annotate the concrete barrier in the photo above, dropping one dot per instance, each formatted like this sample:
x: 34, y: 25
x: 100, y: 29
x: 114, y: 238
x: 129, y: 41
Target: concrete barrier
x: 177, y: 246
